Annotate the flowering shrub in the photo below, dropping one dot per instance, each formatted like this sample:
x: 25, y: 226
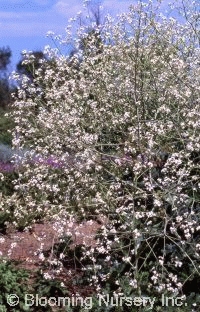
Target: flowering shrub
x: 123, y: 122
x: 5, y: 125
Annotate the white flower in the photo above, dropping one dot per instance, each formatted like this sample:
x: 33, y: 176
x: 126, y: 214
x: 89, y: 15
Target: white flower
x: 2, y: 239
x: 47, y: 276
x: 126, y: 259
x: 41, y: 256
x: 133, y: 283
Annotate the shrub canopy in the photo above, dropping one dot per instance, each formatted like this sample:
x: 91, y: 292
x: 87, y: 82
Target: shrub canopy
x: 122, y: 119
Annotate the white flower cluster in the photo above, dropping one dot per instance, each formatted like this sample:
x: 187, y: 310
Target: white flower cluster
x: 121, y: 118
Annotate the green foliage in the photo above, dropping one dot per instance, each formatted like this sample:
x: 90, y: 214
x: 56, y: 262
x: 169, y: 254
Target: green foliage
x: 49, y: 287
x: 13, y: 281
x: 6, y: 184
x: 6, y: 124
x: 5, y: 92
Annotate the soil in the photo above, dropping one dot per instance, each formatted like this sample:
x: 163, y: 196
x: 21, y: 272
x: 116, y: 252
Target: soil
x: 24, y: 249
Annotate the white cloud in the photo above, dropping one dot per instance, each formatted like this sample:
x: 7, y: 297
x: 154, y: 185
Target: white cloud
x: 67, y: 9
x: 15, y: 24
x: 24, y: 29
x: 9, y: 15
x: 116, y: 7
x: 17, y: 2
x: 55, y: 16
x: 32, y: 22
x: 38, y: 22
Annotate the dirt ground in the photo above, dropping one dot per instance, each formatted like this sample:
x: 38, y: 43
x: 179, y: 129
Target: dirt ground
x: 25, y: 249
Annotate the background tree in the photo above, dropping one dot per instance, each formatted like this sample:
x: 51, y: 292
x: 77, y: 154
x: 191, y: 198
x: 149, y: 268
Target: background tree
x: 5, y: 55
x: 5, y: 88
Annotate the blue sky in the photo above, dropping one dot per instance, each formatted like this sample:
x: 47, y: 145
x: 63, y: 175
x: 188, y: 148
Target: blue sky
x: 24, y: 24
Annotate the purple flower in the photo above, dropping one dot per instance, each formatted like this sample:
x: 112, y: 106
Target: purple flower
x: 51, y: 161
x: 7, y: 167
